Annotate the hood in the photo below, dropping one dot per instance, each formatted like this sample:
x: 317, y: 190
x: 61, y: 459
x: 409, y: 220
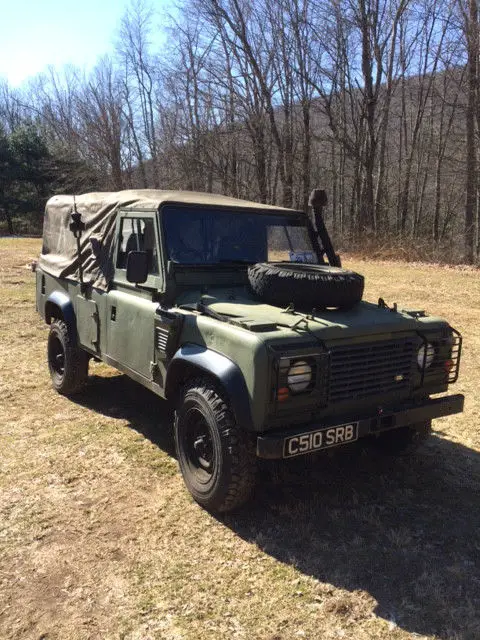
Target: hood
x: 270, y: 321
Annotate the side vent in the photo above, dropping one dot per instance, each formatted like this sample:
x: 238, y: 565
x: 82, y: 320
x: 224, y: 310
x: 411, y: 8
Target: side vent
x: 168, y: 326
x: 161, y: 339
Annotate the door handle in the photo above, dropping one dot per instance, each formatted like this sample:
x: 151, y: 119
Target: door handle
x: 113, y: 314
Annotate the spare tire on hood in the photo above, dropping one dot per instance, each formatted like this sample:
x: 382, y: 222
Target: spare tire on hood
x: 306, y: 286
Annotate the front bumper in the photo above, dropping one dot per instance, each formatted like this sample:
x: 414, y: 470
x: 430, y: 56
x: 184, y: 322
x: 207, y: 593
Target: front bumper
x: 271, y: 445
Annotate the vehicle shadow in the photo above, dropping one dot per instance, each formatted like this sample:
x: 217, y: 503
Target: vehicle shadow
x: 118, y: 396
x: 406, y: 531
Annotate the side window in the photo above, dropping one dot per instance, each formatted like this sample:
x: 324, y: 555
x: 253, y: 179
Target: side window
x: 138, y: 234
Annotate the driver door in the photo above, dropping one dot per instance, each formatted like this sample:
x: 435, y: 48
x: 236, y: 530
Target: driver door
x: 131, y: 308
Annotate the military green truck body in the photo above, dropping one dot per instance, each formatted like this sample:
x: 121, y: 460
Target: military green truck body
x: 115, y: 286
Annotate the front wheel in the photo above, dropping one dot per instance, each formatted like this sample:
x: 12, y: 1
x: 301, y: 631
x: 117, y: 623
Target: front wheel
x: 68, y: 364
x: 216, y: 457
x: 403, y: 441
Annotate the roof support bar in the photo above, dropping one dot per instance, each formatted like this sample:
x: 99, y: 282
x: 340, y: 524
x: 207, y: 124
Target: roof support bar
x: 318, y: 200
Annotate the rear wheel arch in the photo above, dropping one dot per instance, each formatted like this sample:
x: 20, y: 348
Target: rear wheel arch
x: 59, y: 307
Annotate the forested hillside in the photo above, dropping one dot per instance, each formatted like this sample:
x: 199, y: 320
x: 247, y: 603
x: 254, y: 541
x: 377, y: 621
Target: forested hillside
x: 378, y: 101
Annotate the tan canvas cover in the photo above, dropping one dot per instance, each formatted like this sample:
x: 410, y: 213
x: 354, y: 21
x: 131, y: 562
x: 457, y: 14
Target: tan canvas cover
x: 98, y: 211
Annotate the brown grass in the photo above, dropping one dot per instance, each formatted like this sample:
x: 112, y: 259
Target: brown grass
x: 99, y: 538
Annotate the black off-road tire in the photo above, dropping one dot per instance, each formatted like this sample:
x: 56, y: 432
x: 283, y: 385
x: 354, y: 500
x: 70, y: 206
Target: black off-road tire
x: 68, y: 364
x: 403, y: 441
x: 306, y: 286
x: 217, y: 458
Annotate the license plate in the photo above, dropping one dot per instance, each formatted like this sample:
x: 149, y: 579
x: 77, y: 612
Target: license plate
x: 320, y: 439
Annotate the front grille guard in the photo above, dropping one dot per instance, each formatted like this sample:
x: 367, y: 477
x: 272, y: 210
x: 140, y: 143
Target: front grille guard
x: 448, y: 348
x: 456, y: 355
x: 451, y: 346
x: 321, y: 389
x: 320, y: 376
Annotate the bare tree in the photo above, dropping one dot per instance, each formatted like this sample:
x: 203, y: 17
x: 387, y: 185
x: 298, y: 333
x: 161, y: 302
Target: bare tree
x: 140, y: 84
x: 376, y: 100
x: 469, y: 12
x: 101, y: 124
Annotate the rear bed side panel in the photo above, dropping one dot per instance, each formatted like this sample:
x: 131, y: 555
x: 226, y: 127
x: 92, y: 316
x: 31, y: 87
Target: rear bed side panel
x: 65, y: 295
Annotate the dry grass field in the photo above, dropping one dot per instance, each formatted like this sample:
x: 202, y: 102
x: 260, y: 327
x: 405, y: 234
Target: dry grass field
x: 99, y: 538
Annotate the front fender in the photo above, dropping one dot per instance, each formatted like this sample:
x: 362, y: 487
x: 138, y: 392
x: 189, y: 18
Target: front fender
x: 192, y: 359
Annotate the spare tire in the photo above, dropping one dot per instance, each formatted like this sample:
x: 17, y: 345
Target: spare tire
x: 306, y: 286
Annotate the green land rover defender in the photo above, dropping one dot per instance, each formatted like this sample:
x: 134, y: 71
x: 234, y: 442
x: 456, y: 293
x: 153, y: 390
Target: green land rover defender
x: 241, y: 316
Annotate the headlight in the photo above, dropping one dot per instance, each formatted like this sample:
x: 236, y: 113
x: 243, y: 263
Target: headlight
x: 299, y: 376
x: 428, y: 358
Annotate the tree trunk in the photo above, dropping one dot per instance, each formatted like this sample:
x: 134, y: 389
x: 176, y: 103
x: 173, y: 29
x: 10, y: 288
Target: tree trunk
x: 306, y: 157
x: 367, y: 204
x: 8, y: 218
x: 471, y: 113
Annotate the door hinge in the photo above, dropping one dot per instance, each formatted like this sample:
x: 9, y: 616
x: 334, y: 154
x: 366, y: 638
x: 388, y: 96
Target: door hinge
x: 154, y: 370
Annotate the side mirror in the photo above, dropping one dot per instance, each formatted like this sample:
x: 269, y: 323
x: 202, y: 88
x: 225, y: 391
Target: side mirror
x: 137, y: 267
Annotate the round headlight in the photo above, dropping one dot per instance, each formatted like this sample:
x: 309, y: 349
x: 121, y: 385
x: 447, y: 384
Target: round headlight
x: 428, y: 358
x: 299, y: 376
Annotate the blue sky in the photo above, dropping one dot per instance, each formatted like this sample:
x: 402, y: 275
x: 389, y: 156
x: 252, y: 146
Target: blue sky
x: 38, y: 33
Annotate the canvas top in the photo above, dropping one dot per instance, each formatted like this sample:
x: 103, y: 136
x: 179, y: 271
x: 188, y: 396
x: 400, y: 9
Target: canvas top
x: 99, y: 210
x: 151, y: 199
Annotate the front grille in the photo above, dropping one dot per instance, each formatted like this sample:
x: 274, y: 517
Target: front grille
x: 365, y: 370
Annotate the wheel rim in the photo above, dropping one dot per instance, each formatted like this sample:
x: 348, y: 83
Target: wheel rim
x: 56, y: 356
x: 198, y: 446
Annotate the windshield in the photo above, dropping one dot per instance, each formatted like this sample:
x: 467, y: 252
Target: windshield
x: 210, y: 236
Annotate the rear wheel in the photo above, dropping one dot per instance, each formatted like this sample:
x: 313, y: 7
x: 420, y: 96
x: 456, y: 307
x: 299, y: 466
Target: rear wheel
x: 68, y: 364
x: 403, y: 441
x: 216, y: 457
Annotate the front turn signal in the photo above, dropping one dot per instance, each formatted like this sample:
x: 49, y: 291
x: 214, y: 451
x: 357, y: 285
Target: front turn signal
x: 282, y: 394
